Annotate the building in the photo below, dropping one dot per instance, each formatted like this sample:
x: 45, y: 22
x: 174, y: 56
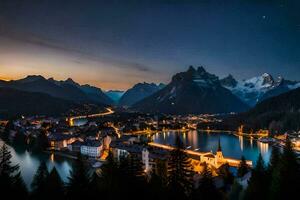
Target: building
x: 145, y: 160
x: 106, y: 142
x: 92, y: 148
x: 215, y: 160
x: 59, y: 141
x: 75, y: 146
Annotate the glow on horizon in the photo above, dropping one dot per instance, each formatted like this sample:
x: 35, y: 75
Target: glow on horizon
x: 21, y: 59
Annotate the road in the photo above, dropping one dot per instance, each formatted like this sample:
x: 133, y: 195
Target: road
x: 109, y: 111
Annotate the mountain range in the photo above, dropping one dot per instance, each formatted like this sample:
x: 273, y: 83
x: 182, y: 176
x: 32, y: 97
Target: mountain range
x: 67, y: 90
x: 257, y: 89
x: 194, y: 91
x: 139, y: 92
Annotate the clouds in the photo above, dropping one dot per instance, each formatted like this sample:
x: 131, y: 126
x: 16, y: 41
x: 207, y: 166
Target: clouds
x: 120, y: 44
x: 81, y: 54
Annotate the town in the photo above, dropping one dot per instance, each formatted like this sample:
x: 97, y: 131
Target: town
x: 96, y: 135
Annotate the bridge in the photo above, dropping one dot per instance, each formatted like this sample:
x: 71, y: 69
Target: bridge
x: 231, y: 161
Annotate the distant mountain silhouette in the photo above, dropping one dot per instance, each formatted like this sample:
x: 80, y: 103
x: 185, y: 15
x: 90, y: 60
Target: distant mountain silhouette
x: 68, y: 90
x: 16, y: 103
x: 115, y: 95
x: 139, y: 92
x: 194, y: 91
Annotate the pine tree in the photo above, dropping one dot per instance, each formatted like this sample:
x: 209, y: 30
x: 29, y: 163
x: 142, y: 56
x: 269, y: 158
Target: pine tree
x: 40, y: 181
x: 41, y: 142
x: 206, y: 189
x: 224, y: 172
x: 8, y: 171
x: 96, y: 187
x: 54, y: 186
x: 179, y: 172
x: 110, y: 178
x: 162, y: 171
x: 243, y: 167
x: 258, y: 181
x: 19, y: 188
x: 79, y: 179
x: 236, y: 191
x: 132, y: 175
x: 157, y: 187
x: 274, y: 160
x: 286, y: 178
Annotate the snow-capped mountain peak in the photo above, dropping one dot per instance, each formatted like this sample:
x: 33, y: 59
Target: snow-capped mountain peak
x: 255, y: 89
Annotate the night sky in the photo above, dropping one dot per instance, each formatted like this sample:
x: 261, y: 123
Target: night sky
x: 115, y: 45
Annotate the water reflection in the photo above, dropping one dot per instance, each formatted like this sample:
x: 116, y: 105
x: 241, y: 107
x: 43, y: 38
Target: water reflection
x: 241, y: 140
x: 263, y: 147
x: 232, y: 146
x: 251, y: 141
x: 29, y: 163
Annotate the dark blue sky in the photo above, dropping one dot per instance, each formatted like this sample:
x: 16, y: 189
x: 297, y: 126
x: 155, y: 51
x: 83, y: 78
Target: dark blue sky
x: 114, y: 45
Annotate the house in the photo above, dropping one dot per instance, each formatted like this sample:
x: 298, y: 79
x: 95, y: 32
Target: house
x: 92, y: 148
x: 60, y: 141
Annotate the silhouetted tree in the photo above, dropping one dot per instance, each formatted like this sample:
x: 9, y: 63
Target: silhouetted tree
x: 286, y: 178
x: 179, y: 172
x: 225, y: 173
x: 274, y: 160
x: 11, y: 181
x: 258, y: 181
x: 110, y: 178
x: 156, y: 187
x: 10, y: 178
x: 236, y: 191
x: 19, y: 188
x: 96, y: 187
x: 132, y: 175
x: 243, y: 167
x: 79, y: 179
x: 40, y: 181
x: 54, y: 186
x: 206, y: 189
x: 41, y: 142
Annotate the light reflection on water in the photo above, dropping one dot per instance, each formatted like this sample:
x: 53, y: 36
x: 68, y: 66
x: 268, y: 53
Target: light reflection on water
x: 232, y: 146
x: 29, y: 163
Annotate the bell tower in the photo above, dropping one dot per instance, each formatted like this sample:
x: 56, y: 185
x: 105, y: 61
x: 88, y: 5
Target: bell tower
x: 219, y: 154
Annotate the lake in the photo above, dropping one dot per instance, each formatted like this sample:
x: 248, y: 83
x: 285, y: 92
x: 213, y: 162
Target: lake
x: 232, y: 146
x: 29, y: 163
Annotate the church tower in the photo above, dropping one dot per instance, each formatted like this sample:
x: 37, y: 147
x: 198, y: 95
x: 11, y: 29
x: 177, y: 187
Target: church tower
x: 219, y: 154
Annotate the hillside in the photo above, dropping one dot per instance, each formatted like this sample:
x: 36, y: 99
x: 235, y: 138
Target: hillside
x: 15, y: 103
